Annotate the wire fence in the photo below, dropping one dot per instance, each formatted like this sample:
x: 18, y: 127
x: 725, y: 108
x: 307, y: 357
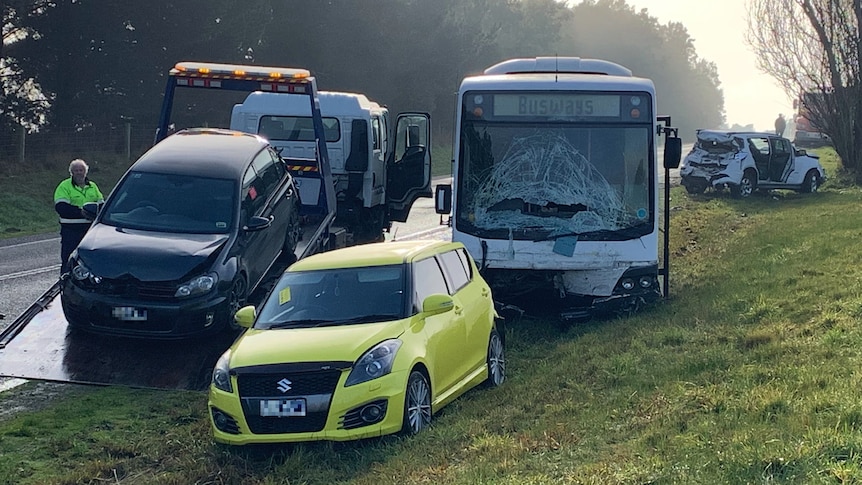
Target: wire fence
x: 123, y: 141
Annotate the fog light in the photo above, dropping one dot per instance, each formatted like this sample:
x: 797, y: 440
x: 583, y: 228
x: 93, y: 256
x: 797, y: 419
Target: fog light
x: 371, y: 413
x: 220, y: 419
x: 645, y: 281
x: 628, y: 284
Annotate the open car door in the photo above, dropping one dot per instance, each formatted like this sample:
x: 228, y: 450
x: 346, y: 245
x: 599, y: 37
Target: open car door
x: 409, y: 167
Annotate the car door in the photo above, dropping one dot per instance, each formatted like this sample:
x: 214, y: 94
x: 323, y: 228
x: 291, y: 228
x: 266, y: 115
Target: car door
x: 781, y: 159
x: 444, y: 332
x: 260, y: 247
x: 473, y: 301
x: 408, y: 170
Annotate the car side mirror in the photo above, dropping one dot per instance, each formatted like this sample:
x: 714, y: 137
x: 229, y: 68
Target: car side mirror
x: 244, y: 317
x: 257, y: 223
x: 91, y: 210
x: 672, y: 151
x: 437, y: 303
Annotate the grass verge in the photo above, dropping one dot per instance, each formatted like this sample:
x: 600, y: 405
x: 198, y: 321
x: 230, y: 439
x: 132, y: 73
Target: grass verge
x: 748, y: 374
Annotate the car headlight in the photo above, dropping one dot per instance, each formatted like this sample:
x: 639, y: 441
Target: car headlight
x: 375, y: 363
x: 197, y: 286
x: 79, y: 271
x: 221, y: 373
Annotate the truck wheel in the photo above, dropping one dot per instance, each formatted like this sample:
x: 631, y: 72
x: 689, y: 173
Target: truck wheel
x: 811, y: 182
x: 747, y: 184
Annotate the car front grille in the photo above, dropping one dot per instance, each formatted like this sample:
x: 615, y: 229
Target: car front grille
x: 133, y: 288
x: 262, y: 384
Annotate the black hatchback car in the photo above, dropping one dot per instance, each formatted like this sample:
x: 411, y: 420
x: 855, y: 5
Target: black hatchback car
x: 187, y: 234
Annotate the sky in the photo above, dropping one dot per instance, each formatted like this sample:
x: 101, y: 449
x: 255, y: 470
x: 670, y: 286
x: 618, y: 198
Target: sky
x: 718, y: 29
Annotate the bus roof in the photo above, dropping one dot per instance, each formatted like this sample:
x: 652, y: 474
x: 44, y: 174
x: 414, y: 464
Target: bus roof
x: 332, y: 103
x: 558, y: 65
x: 555, y: 82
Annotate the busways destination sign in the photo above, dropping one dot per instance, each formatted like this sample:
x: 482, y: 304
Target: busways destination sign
x: 557, y: 104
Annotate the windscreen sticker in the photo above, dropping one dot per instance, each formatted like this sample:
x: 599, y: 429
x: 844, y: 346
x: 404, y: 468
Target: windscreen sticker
x: 284, y: 296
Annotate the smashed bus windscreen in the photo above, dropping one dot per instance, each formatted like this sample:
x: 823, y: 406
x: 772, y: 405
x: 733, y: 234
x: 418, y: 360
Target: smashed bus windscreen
x: 539, y: 165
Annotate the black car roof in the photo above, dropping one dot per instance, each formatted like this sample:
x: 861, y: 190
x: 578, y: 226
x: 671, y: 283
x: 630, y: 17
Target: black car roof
x: 206, y: 152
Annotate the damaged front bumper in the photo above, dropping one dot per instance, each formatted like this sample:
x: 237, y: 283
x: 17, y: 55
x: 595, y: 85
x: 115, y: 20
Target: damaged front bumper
x: 577, y: 295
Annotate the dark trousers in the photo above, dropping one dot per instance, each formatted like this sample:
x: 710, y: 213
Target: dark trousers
x: 70, y: 237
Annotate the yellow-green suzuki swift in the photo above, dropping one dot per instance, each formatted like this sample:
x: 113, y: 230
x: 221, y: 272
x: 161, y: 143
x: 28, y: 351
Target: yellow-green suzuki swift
x: 358, y: 342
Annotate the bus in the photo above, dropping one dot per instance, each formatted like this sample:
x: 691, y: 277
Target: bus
x: 555, y: 184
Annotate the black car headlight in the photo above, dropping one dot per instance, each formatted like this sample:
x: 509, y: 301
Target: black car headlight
x: 375, y: 363
x: 79, y: 271
x: 197, y: 286
x: 221, y: 373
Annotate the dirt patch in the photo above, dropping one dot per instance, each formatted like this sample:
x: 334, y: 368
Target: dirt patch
x: 34, y: 396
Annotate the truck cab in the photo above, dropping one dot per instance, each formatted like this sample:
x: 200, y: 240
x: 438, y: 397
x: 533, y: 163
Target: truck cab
x: 365, y: 150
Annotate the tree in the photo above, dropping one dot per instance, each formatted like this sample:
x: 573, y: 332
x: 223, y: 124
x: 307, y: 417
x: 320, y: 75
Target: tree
x: 23, y: 102
x: 687, y: 86
x: 815, y: 46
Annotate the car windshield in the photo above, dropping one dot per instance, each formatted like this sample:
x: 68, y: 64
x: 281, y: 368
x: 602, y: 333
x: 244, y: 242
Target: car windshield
x: 172, y: 203
x: 343, y: 296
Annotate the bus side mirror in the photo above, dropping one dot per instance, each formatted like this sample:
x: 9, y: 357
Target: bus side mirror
x: 443, y: 199
x: 672, y: 151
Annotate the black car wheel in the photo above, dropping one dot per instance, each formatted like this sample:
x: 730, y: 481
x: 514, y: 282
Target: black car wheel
x: 811, y: 182
x: 293, y: 236
x: 417, y: 404
x: 747, y: 184
x: 236, y: 299
x: 496, y: 360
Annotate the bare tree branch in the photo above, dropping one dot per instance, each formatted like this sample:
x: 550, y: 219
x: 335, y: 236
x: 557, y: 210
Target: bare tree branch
x: 815, y: 47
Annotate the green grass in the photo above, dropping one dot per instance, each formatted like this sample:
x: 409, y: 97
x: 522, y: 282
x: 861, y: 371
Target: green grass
x: 750, y: 373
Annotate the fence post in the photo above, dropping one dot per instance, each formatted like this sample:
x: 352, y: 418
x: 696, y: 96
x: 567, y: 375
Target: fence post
x: 128, y: 120
x: 22, y: 145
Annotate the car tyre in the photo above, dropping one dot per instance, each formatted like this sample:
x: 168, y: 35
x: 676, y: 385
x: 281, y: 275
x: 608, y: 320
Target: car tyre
x: 695, y: 188
x: 496, y: 360
x: 811, y: 182
x: 747, y: 184
x: 417, y: 404
x: 293, y: 236
x: 236, y: 299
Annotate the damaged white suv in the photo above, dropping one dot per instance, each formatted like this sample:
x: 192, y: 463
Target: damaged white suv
x: 746, y: 161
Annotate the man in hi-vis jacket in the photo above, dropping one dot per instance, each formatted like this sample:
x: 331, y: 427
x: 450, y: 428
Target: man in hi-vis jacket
x: 69, y: 198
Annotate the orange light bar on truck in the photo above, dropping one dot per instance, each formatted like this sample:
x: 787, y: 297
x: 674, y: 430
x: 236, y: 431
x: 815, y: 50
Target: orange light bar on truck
x: 233, y: 71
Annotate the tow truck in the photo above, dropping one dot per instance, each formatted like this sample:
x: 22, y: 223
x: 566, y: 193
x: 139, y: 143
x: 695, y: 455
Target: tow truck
x: 39, y: 344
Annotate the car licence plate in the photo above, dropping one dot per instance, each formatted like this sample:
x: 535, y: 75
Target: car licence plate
x: 129, y: 314
x: 282, y: 408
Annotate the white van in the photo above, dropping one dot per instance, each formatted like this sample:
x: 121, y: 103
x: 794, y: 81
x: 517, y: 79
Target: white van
x: 362, y: 152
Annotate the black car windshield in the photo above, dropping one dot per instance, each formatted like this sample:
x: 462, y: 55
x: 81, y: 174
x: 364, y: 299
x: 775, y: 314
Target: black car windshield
x: 343, y: 296
x: 172, y: 203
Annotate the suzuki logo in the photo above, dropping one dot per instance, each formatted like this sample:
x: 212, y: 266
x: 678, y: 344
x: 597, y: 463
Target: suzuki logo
x: 284, y: 385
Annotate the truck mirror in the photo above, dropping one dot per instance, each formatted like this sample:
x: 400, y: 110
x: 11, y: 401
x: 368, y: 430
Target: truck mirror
x: 443, y: 199
x: 672, y: 151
